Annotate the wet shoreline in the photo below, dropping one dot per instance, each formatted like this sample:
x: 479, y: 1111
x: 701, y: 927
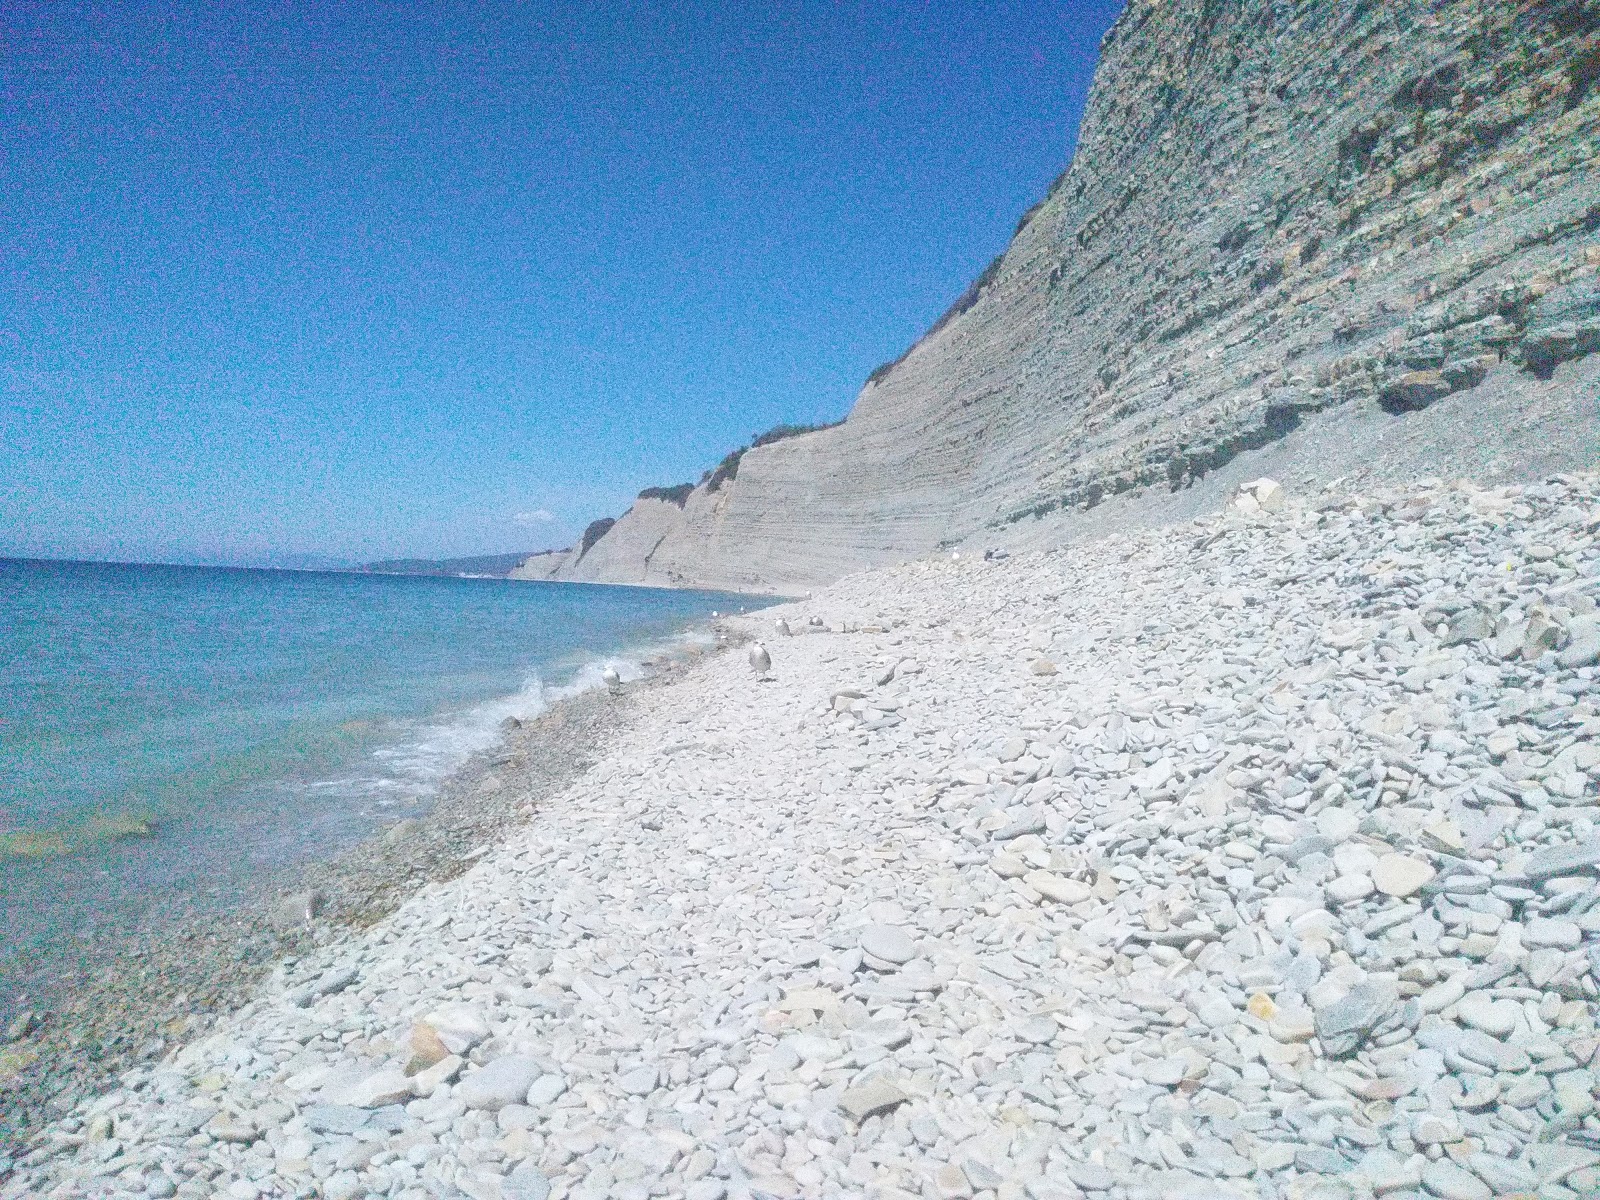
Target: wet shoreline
x: 129, y: 997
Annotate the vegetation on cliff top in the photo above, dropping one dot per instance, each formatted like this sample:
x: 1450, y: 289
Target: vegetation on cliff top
x: 676, y: 494
x: 594, y: 532
x: 728, y: 468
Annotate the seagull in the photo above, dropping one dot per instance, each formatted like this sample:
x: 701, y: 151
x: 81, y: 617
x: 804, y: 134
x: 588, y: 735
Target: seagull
x: 816, y: 622
x: 783, y: 627
x: 760, y: 660
x: 612, y: 679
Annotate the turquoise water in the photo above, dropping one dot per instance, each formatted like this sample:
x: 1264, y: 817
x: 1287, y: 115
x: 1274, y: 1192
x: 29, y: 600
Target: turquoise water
x: 249, y: 718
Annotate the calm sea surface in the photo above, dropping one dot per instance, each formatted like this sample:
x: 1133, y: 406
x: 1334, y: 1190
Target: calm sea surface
x: 252, y: 718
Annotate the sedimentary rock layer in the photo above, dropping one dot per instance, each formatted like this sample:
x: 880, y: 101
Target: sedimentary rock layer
x: 1276, y: 209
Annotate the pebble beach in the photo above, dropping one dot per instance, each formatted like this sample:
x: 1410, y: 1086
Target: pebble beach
x: 1249, y: 857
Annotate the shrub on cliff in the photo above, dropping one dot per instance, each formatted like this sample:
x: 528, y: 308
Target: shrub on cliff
x: 595, y: 531
x: 728, y: 468
x: 677, y: 494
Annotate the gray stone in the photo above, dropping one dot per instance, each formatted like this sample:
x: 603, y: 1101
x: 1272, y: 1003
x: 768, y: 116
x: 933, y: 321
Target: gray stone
x: 1091, y: 1177
x: 1469, y: 625
x: 502, y: 1081
x: 639, y: 1081
x: 1571, y: 859
x: 1400, y: 875
x: 1343, y: 1027
x: 1305, y: 847
x: 545, y: 1090
x: 525, y: 1182
x: 1494, y: 1017
x: 877, y: 1095
x: 1552, y: 932
x: 1444, y: 1179
x: 888, y: 942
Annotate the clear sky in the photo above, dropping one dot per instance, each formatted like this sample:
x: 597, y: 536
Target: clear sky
x: 387, y: 279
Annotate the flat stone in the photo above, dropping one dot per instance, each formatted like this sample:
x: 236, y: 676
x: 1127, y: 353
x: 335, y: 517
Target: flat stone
x: 877, y: 1095
x: 1444, y: 1179
x: 1572, y: 859
x: 1503, y: 1175
x: 230, y: 1129
x: 1580, y: 652
x: 1388, y: 1171
x: 1552, y: 932
x: 1400, y: 875
x: 1494, y: 1017
x: 951, y: 1182
x: 1442, y: 995
x: 1164, y: 1072
x: 525, y: 1182
x: 888, y: 942
x: 334, y: 1118
x: 1021, y: 827
x: 1292, y: 1024
x: 1057, y: 888
x: 545, y: 1090
x: 1347, y: 889
x: 388, y: 1086
x: 639, y: 1081
x: 806, y: 954
x: 1472, y: 1045
x: 458, y: 1027
x: 1008, y: 866
x: 1305, y: 847
x: 1039, y: 1030
x: 1434, y: 1129
x: 1091, y: 1177
x: 502, y: 1081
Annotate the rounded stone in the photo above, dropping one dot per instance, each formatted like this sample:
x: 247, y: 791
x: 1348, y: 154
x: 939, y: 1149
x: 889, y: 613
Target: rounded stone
x: 1498, y: 1018
x: 888, y: 942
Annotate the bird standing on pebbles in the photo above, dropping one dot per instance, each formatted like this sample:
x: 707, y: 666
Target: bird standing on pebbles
x: 760, y: 661
x: 613, y: 681
x: 783, y: 627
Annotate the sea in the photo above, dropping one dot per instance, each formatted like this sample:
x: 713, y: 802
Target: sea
x: 172, y: 731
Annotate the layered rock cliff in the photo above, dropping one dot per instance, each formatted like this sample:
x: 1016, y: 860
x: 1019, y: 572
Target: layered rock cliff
x: 1278, y: 212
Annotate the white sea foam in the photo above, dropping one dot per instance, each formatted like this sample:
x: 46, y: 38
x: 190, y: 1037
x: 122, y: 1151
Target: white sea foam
x: 412, y: 769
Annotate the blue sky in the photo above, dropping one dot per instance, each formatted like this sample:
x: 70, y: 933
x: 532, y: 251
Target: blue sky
x: 385, y: 280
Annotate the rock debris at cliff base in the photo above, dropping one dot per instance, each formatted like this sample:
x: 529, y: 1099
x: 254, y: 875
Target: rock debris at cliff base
x: 1282, y: 883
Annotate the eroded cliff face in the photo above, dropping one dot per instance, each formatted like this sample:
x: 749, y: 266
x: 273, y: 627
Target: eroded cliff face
x: 1276, y: 209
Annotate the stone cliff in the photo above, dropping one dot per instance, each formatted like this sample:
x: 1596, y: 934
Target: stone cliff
x: 1280, y: 214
